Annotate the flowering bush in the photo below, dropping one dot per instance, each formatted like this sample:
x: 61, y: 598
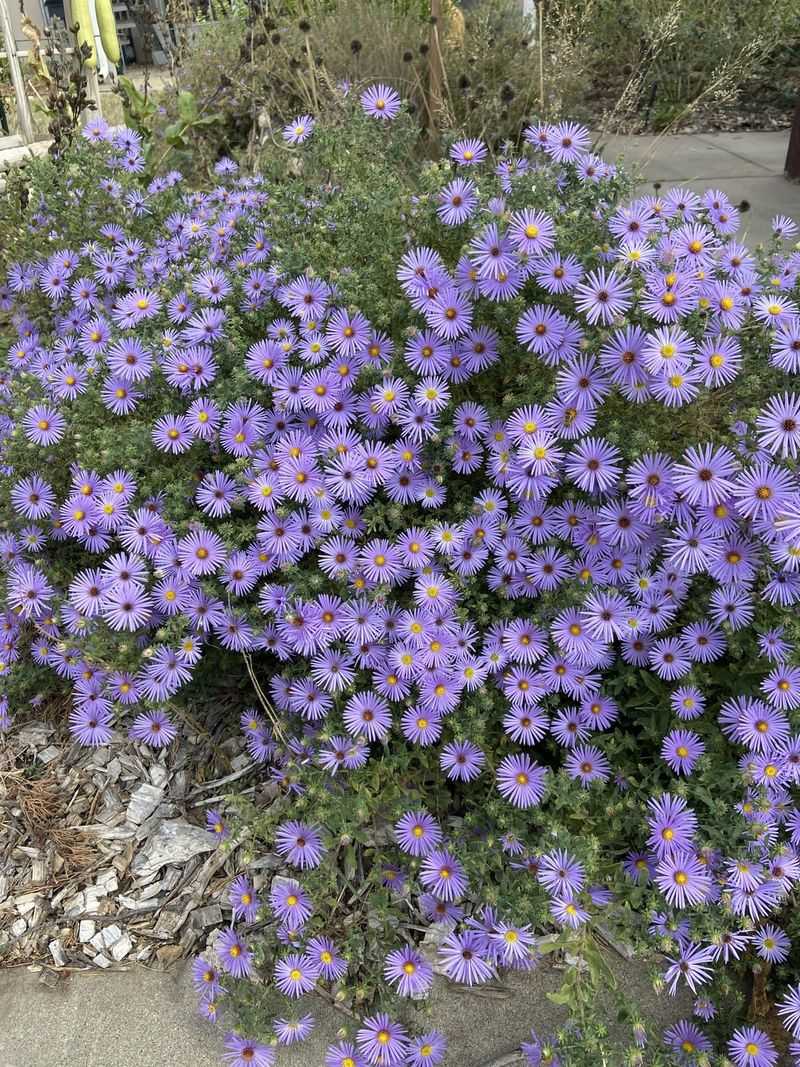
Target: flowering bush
x: 482, y: 484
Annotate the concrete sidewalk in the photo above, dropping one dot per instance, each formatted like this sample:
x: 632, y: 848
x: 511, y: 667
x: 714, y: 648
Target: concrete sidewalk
x: 746, y: 166
x: 145, y: 1018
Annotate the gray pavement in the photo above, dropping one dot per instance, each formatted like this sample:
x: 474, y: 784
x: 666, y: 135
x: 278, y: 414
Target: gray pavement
x: 746, y: 166
x: 145, y: 1018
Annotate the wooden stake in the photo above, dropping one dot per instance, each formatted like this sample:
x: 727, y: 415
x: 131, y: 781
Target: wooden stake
x: 540, y: 20
x: 792, y: 167
x: 436, y: 71
x: 17, y: 80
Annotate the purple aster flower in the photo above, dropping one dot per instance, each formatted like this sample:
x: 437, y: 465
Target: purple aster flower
x: 201, y: 552
x: 468, y: 153
x: 300, y: 844
x: 323, y: 951
x: 383, y: 1041
x: 367, y: 714
x: 668, y: 658
x: 781, y: 687
x: 234, y: 954
x: 686, y: 1039
x: 344, y: 1054
x: 408, y: 971
x: 205, y: 978
x: 172, y: 433
x: 421, y: 726
x: 568, y: 913
x: 443, y: 875
x: 216, y: 824
x: 773, y: 645
x: 457, y: 201
x: 293, y: 1031
x: 245, y: 1052
x: 682, y: 879
x: 789, y: 1009
x: 44, y: 425
x: 428, y: 1050
x: 521, y: 781
x: 779, y: 425
x: 704, y: 476
x: 243, y: 899
x: 750, y: 1047
x: 681, y: 749
x: 417, y: 833
x: 296, y: 974
x: 298, y: 130
x: 91, y: 726
x: 771, y: 943
x: 154, y: 728
x: 691, y: 966
x: 462, y: 958
x: 672, y: 824
x: 587, y: 764
x: 380, y: 102
x: 602, y: 297
x: 462, y: 760
x: 33, y: 497
x: 561, y: 874
x: 593, y: 465
x: 290, y: 903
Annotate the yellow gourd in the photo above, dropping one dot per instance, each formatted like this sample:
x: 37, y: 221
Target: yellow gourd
x: 107, y: 25
x: 80, y: 14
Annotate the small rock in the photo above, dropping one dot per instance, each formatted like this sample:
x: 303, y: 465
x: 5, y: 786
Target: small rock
x: 92, y: 899
x: 169, y: 922
x: 175, y: 842
x: 18, y: 927
x: 130, y: 904
x: 158, y: 775
x: 431, y: 942
x: 75, y: 906
x: 111, y: 934
x: 143, y: 803
x: 47, y: 755
x: 27, y: 902
x: 102, y: 961
x: 56, y: 950
x: 168, y: 954
x: 34, y: 733
x: 121, y: 948
x: 208, y: 916
x: 49, y: 978
x: 107, y: 880
x: 98, y: 942
x: 86, y: 930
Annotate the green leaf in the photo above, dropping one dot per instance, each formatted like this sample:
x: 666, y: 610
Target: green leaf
x: 187, y: 106
x: 562, y: 996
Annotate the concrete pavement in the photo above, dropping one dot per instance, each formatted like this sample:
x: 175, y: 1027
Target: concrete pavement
x: 145, y: 1018
x: 745, y: 165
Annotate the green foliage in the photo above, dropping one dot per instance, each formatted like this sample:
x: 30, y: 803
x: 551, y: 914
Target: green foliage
x: 174, y: 139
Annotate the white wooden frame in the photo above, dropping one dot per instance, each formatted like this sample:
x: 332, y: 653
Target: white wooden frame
x: 24, y: 116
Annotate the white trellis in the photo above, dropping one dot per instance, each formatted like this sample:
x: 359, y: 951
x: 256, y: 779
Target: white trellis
x: 12, y: 55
